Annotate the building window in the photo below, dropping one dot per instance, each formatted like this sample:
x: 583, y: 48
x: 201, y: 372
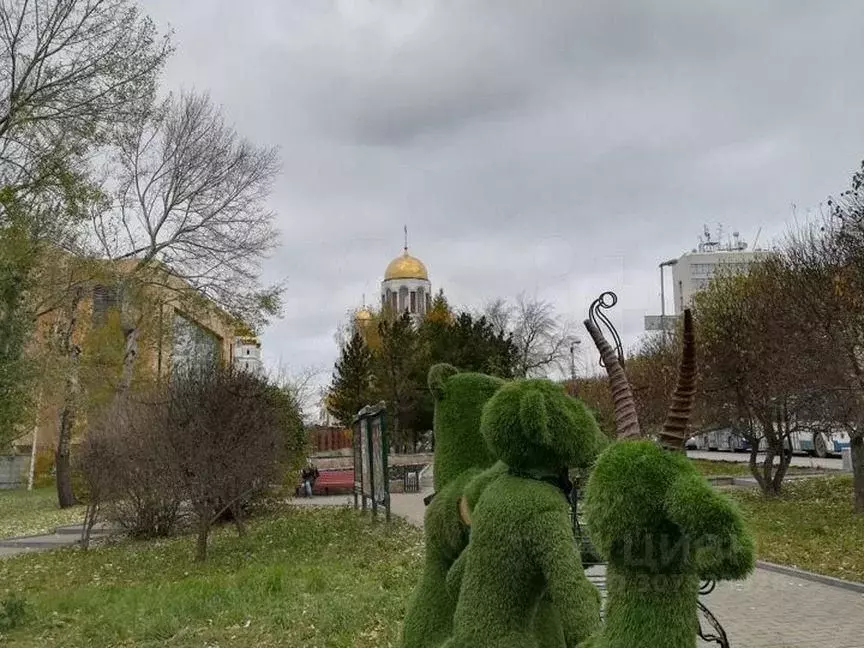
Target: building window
x: 194, y: 346
x: 413, y: 301
x: 104, y: 300
x: 428, y: 302
x: 702, y: 270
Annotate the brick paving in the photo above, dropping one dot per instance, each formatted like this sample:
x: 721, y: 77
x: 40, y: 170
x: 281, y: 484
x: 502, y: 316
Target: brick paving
x: 768, y: 610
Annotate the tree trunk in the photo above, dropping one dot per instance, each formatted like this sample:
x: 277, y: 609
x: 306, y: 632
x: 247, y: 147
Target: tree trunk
x: 63, y: 463
x: 780, y: 472
x: 69, y: 413
x: 857, y: 446
x: 754, y: 463
x: 769, y: 486
x: 239, y: 523
x: 201, y: 544
x: 773, y: 435
x: 130, y: 357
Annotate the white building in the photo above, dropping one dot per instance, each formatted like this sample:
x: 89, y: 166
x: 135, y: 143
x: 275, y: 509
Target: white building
x: 693, y: 271
x: 406, y: 287
x: 247, y: 355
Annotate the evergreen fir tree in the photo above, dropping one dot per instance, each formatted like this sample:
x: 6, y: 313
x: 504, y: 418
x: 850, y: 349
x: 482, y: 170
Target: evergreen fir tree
x: 351, y: 388
x: 400, y: 377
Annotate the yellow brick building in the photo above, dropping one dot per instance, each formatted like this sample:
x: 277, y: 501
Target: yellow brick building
x: 175, y: 324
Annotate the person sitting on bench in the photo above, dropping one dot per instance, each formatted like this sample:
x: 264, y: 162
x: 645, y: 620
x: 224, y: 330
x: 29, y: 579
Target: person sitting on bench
x: 309, y: 474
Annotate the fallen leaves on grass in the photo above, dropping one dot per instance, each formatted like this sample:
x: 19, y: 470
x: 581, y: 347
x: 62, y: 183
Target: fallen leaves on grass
x: 24, y: 513
x: 311, y: 578
x: 812, y: 526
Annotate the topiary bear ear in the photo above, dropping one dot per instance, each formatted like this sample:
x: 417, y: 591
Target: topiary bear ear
x: 438, y: 375
x: 534, y: 417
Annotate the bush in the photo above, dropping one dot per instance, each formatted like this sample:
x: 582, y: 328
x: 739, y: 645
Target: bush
x: 228, y: 436
x: 13, y: 613
x: 216, y: 439
x: 127, y: 465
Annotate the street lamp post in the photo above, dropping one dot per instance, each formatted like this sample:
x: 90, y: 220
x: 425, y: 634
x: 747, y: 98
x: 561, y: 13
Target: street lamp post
x: 575, y: 343
x: 670, y: 262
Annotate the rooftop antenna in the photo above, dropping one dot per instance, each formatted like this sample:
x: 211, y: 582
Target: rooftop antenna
x: 756, y: 240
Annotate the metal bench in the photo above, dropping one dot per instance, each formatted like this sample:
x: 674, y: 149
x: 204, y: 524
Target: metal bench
x: 332, y: 482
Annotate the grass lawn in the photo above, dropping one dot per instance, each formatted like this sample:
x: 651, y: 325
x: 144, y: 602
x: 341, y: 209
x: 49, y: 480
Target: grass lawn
x: 310, y: 578
x: 812, y: 526
x: 34, y: 512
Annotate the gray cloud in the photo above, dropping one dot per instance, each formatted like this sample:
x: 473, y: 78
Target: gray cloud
x: 560, y: 148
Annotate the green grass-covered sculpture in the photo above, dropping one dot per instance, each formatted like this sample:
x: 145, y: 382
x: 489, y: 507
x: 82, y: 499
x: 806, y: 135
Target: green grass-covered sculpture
x: 522, y: 548
x: 461, y: 455
x: 657, y: 522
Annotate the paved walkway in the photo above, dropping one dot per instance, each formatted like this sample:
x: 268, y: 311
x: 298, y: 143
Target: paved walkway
x: 830, y: 463
x: 768, y: 610
x: 62, y: 537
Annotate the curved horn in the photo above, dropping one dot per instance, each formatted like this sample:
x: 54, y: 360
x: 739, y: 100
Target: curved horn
x: 626, y: 420
x: 674, y: 432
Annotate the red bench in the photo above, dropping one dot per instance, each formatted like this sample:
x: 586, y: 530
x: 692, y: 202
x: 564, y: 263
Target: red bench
x: 332, y: 482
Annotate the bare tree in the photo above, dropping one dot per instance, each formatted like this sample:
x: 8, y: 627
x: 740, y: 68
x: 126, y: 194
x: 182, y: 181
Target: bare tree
x: 130, y: 467
x: 190, y: 210
x: 302, y: 385
x: 69, y: 71
x: 499, y: 314
x: 541, y: 337
x: 754, y: 374
x: 826, y: 286
x: 227, y: 436
x: 652, y: 371
x: 68, y: 413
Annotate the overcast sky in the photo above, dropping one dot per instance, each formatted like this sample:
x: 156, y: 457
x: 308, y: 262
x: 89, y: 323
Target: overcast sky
x: 557, y: 147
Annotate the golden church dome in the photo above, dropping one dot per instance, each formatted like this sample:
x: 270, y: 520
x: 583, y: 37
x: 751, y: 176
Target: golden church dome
x: 406, y: 267
x: 363, y: 315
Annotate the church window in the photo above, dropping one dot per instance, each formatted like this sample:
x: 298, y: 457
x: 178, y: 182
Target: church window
x: 413, y: 301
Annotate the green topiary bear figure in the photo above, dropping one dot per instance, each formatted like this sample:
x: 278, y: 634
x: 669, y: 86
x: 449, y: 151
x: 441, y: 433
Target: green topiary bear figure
x: 522, y: 547
x: 461, y: 455
x: 658, y: 523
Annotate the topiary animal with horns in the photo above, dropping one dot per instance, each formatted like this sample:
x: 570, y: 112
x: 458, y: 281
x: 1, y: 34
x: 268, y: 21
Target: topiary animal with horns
x: 658, y: 523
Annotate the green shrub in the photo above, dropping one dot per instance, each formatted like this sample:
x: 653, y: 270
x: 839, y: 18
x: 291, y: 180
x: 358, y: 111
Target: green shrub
x: 13, y: 613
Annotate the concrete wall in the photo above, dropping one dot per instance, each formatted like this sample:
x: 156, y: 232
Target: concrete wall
x: 13, y: 471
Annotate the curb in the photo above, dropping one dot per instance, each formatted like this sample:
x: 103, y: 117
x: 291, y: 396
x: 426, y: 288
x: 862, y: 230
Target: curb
x: 25, y: 537
x: 850, y: 586
x: 35, y: 545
